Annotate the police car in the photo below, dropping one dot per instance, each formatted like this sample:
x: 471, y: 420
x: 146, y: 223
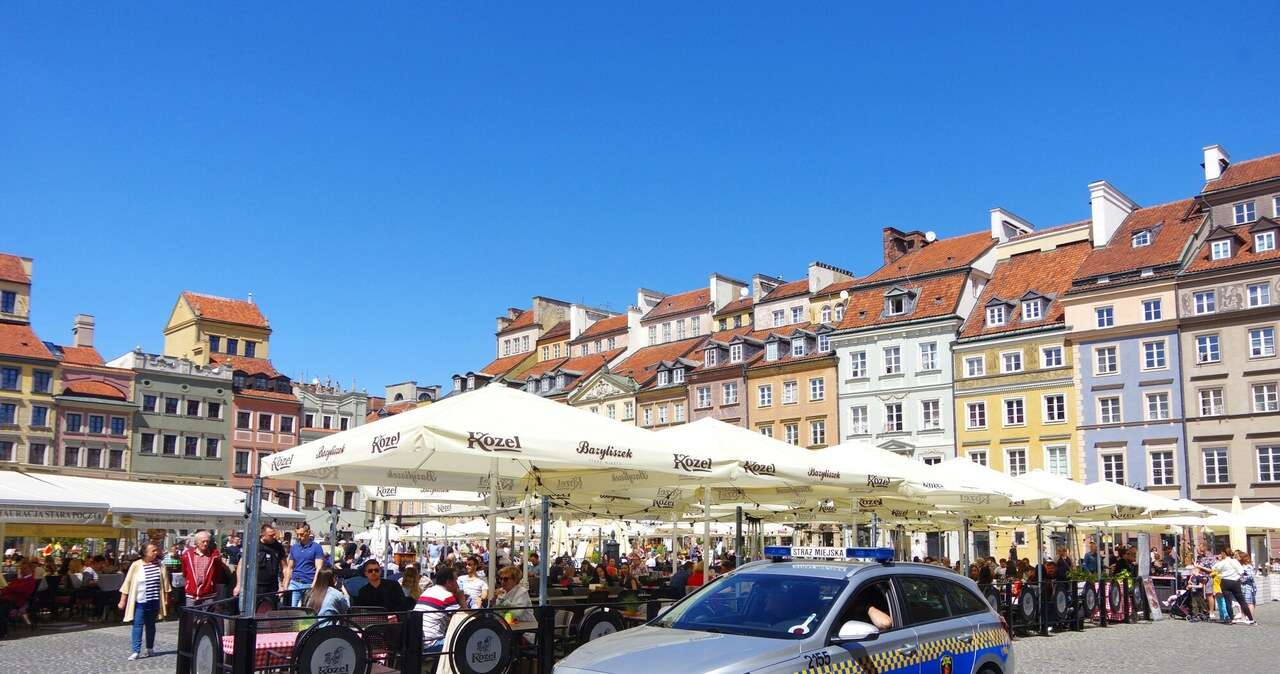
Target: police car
x: 814, y: 610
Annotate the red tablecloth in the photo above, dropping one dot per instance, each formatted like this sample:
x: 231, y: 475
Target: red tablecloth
x: 274, y: 649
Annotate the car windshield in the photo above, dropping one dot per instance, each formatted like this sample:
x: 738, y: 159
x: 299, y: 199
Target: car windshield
x: 775, y: 606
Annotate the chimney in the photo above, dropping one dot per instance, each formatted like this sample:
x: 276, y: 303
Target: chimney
x: 1216, y: 161
x: 822, y: 275
x: 724, y: 290
x: 762, y: 285
x: 82, y: 330
x: 1006, y: 224
x: 1110, y: 207
x: 898, y: 243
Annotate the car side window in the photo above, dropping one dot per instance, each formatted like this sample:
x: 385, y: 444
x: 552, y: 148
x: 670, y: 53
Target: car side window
x: 923, y: 600
x: 961, y: 600
x: 872, y: 603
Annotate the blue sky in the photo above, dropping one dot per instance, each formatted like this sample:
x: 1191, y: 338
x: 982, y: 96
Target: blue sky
x: 386, y: 182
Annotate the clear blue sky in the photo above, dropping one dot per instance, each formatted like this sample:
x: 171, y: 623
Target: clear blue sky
x: 386, y: 181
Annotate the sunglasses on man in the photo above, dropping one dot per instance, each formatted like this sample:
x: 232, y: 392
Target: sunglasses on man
x: 372, y: 570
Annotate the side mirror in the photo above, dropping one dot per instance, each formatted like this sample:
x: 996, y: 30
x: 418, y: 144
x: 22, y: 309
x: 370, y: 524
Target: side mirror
x: 856, y: 630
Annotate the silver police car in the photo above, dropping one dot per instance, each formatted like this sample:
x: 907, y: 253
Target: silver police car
x: 793, y: 615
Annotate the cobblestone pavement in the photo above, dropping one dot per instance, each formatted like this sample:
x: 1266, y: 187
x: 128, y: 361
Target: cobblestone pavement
x: 1166, y: 646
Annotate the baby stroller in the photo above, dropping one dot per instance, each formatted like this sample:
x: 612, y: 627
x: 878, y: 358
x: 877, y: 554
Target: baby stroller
x: 1188, y: 605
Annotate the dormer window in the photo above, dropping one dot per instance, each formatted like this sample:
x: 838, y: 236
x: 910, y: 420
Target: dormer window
x: 1244, y: 212
x: 1141, y: 238
x: 824, y: 343
x: 664, y: 378
x: 1032, y: 310
x: 545, y: 384
x: 771, y: 351
x: 711, y: 357
x: 895, y: 306
x: 1264, y: 241
x: 839, y: 312
x: 677, y: 375
x: 1220, y: 250
x: 797, y: 346
x: 471, y: 383
x: 995, y: 316
x: 735, y: 353
x: 826, y: 313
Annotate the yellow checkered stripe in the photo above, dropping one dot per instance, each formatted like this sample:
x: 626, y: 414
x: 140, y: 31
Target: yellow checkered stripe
x: 889, y: 660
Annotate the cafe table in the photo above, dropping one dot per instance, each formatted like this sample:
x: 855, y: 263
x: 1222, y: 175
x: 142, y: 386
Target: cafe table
x: 273, y: 649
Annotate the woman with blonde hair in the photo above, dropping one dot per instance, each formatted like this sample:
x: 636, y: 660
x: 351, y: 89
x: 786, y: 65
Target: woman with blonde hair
x: 142, y: 598
x: 411, y: 581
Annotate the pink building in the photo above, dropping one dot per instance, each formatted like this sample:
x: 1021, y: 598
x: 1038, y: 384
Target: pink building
x: 94, y: 411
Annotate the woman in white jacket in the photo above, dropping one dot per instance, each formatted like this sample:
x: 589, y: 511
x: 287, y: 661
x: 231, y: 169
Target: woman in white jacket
x: 142, y: 598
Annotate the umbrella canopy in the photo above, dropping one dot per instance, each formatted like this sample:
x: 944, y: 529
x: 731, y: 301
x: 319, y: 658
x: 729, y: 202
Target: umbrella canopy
x: 1079, y: 502
x: 915, y: 481
x: 1239, y: 537
x: 1129, y: 499
x: 1262, y: 516
x: 1024, y: 499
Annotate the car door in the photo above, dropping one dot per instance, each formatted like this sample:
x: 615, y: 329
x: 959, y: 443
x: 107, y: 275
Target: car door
x: 892, y: 651
x: 945, y: 641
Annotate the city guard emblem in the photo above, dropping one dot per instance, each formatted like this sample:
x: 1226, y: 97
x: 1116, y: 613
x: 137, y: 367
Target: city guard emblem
x: 945, y: 665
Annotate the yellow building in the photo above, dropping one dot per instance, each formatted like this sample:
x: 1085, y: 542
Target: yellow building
x: 792, y: 390
x: 202, y: 326
x: 1015, y: 401
x: 28, y: 373
x: 554, y: 343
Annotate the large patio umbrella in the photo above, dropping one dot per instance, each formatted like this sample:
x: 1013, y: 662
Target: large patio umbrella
x: 915, y: 481
x: 1080, y: 502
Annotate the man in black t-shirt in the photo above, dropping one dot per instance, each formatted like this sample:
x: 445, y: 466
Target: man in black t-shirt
x: 380, y: 592
x: 271, y: 557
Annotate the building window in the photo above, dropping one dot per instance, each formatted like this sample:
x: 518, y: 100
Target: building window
x: 191, y: 446
x: 710, y: 358
x: 171, y: 405
x: 265, y: 421
x: 1259, y: 295
x: 546, y: 353
x: 764, y: 395
x: 1016, y: 461
x: 704, y: 396
x: 1244, y: 212
x: 41, y: 381
x: 729, y: 393
x: 817, y: 388
x: 213, y: 410
x: 664, y: 377
x: 1158, y: 406
x: 1051, y: 356
x: 677, y: 375
x: 1056, y: 462
x: 286, y: 424
x: 695, y: 328
x: 975, y: 366
x: 1220, y: 250
x: 9, y: 414
x: 70, y: 456
x: 524, y: 344
x: 1032, y: 310
x: 193, y: 408
x: 735, y: 353
x: 797, y: 314
x: 896, y: 306
x: 893, y: 418
x: 250, y: 349
x: 1106, y: 317
x: 211, y: 448
x: 35, y: 453
x: 1106, y: 360
x: 839, y: 312
x: 149, y: 403
x: 117, y: 425
x: 679, y: 412
x: 1153, y: 356
x: 628, y: 410
x: 169, y: 445
x: 611, y: 411
x: 73, y: 420
x: 8, y: 302
x: 215, y: 344
x: 242, y: 462
x: 1015, y: 413
x: 892, y: 360
x: 824, y: 343
x: 40, y: 416
x: 9, y: 378
x: 789, y: 391
x: 929, y: 356
x: 613, y: 343
x: 1206, y: 302
x: 977, y: 415
x: 662, y: 414
x: 1262, y: 342
x: 1113, y: 468
x: 1109, y: 410
x: 1269, y: 463
x: 560, y: 381
x: 825, y: 314
x: 779, y: 318
x: 995, y: 315
x: 1211, y: 402
x: 791, y: 432
x: 724, y: 324
x: 1216, y: 470
x: 1055, y: 408
x: 648, y: 416
x: 978, y: 456
x: 930, y: 415
x: 1264, y: 241
x: 767, y: 431
x: 858, y: 364
x: 148, y: 444
x: 1141, y: 238
x: 818, y: 432
x: 1264, y: 398
x: 1151, y: 310
x: 1207, y: 349
x: 233, y: 346
x: 771, y: 351
x: 1162, y: 469
x: 859, y: 424
x: 343, y: 424
x: 7, y: 454
x: 797, y: 346
x: 680, y: 329
x: 1011, y: 361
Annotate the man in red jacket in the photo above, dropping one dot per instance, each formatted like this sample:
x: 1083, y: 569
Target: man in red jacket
x: 202, y: 568
x: 16, y: 594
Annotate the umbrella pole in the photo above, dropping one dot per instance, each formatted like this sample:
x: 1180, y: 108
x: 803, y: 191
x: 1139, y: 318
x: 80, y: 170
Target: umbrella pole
x: 964, y: 546
x: 493, y: 527
x: 672, y: 553
x: 706, y: 533
x: 545, y: 562
x: 249, y: 584
x: 737, y: 537
x: 333, y: 534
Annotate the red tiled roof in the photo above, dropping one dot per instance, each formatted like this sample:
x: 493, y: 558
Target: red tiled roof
x: 1177, y: 222
x: 504, y: 365
x: 1047, y: 273
x: 81, y: 355
x: 586, y: 366
x: 680, y: 303
x: 740, y: 304
x: 953, y: 253
x: 638, y: 365
x: 524, y: 320
x: 937, y: 296
x: 11, y: 269
x: 17, y: 339
x: 225, y: 309
x: 268, y: 395
x: 784, y: 350
x: 556, y: 332
x: 249, y: 366
x: 1242, y: 250
x: 94, y: 389
x: 542, y: 367
x: 603, y: 327
x: 1250, y: 171
x: 786, y: 290
x: 836, y: 287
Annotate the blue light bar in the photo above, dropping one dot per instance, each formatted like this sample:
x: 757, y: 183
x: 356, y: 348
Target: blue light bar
x: 798, y: 552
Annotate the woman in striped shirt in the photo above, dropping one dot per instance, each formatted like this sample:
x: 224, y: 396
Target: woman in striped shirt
x: 142, y: 598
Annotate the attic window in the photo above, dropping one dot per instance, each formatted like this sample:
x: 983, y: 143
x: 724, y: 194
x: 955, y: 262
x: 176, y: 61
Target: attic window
x: 797, y: 346
x: 771, y: 351
x: 735, y: 353
x: 677, y: 375
x: 663, y: 378
x: 1141, y: 238
x: 1244, y: 212
x: 1220, y: 250
x: 1032, y: 310
x: 711, y: 357
x: 1264, y: 241
x: 995, y: 316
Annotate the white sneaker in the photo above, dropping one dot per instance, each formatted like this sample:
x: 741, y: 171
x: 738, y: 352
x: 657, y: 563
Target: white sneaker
x: 134, y: 656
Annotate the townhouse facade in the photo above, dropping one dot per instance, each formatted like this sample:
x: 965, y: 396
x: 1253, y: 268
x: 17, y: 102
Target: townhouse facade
x: 718, y: 385
x: 328, y: 408
x: 95, y: 408
x: 28, y: 373
x: 792, y: 386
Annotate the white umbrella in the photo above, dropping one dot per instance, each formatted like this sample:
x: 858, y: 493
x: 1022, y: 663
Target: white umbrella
x: 1130, y: 499
x: 1079, y: 502
x: 1239, y: 538
x: 1024, y: 498
x: 914, y: 480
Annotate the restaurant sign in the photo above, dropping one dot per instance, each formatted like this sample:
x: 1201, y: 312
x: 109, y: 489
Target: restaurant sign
x: 41, y: 515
